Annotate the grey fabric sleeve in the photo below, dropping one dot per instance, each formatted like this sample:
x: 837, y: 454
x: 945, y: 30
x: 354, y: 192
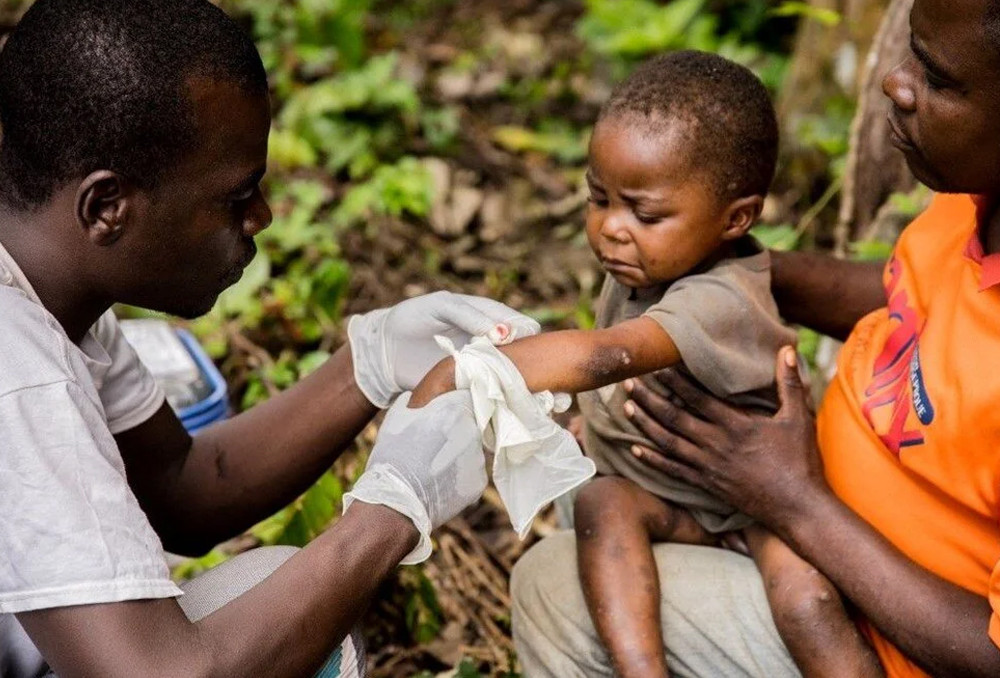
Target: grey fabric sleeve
x: 726, y: 327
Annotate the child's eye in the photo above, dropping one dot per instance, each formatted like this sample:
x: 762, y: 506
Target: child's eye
x: 647, y: 218
x: 597, y: 200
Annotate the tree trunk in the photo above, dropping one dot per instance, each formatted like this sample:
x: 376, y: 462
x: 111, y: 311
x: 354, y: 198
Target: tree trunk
x: 875, y: 169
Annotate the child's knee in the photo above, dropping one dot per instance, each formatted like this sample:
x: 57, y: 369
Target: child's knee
x: 801, y: 597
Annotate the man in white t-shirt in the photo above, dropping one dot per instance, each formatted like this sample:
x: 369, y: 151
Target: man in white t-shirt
x: 135, y: 137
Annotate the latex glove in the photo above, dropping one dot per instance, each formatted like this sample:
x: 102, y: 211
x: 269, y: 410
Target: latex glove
x: 393, y: 348
x: 427, y: 463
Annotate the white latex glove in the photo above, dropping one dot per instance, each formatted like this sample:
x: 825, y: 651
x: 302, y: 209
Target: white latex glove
x: 393, y: 348
x: 427, y: 463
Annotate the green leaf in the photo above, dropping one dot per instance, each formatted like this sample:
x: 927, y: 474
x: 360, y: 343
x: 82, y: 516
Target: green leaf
x: 782, y: 237
x: 827, y: 17
x: 289, y: 150
x: 311, y: 362
x: 871, y: 250
x: 405, y: 187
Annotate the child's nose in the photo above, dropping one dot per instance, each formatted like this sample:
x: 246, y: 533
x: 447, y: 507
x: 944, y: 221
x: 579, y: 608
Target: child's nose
x: 614, y: 228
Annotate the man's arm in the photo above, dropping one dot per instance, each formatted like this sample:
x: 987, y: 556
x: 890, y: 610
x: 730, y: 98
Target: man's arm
x: 198, y: 492
x: 573, y: 361
x: 285, y: 626
x: 827, y: 294
x: 426, y: 464
x: 769, y: 467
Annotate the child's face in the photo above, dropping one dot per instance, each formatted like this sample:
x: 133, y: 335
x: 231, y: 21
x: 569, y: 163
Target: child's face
x: 652, y: 216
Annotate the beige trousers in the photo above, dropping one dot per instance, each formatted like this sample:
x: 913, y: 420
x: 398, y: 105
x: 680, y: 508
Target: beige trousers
x: 715, y: 616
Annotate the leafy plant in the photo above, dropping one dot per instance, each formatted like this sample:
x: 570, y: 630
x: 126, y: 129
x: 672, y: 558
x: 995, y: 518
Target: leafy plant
x: 405, y: 187
x: 424, y: 617
x: 306, y: 38
x: 635, y: 28
x: 625, y: 31
x: 305, y: 518
x: 556, y: 138
x: 827, y: 17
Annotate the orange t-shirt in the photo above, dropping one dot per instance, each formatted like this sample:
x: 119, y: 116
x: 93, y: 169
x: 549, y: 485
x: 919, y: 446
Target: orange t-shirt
x: 910, y: 428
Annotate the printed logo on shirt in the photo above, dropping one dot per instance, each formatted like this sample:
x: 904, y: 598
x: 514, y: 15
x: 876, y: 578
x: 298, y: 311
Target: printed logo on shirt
x: 896, y: 401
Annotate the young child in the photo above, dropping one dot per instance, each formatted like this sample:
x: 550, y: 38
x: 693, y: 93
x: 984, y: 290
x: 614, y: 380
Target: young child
x: 681, y: 158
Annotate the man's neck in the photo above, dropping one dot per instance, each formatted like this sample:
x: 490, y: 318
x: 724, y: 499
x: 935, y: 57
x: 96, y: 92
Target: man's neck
x: 45, y: 253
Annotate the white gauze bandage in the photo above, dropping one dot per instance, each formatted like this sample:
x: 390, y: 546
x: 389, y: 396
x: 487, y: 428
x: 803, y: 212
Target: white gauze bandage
x: 535, y: 460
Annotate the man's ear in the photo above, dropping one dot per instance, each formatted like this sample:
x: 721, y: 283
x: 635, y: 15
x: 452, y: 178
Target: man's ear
x: 741, y: 214
x: 103, y: 202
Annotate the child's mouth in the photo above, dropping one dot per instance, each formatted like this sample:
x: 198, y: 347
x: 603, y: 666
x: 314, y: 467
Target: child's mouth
x: 612, y: 265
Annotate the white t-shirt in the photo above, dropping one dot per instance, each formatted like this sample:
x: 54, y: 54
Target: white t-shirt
x: 71, y: 530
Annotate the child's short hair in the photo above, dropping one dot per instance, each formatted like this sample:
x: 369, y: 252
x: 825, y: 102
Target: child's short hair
x: 728, y: 113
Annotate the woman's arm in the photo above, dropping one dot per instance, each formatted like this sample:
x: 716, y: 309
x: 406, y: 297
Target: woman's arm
x: 769, y: 467
x: 827, y: 294
x: 572, y: 361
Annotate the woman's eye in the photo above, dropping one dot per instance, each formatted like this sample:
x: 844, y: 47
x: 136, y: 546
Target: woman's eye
x: 933, y: 80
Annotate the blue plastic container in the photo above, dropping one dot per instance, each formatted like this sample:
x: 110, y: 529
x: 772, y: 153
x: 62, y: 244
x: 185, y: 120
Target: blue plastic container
x: 213, y: 408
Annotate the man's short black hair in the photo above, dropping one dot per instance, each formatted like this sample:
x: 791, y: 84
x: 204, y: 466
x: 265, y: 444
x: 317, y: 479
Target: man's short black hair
x: 725, y: 112
x: 100, y: 84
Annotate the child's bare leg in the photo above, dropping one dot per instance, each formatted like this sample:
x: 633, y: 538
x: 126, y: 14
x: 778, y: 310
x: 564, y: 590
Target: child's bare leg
x: 616, y: 520
x: 810, y: 614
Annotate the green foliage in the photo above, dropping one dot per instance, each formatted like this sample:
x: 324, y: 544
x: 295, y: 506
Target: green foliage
x: 783, y: 237
x: 424, y: 617
x: 466, y: 669
x: 306, y: 38
x: 556, y: 138
x: 830, y: 131
x: 636, y: 28
x: 194, y: 566
x: 827, y: 17
x: 808, y: 345
x: 626, y: 31
x: 305, y: 518
x: 351, y: 120
x: 403, y: 188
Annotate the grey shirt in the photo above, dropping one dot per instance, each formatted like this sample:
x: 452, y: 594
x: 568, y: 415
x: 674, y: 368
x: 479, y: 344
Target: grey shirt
x: 726, y: 327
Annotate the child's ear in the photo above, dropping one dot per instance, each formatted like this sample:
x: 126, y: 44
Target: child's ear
x: 741, y: 214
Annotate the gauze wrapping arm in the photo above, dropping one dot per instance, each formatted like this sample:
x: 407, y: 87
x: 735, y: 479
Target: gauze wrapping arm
x: 536, y: 460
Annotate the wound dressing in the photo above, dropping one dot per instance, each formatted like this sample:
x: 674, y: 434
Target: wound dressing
x: 535, y: 460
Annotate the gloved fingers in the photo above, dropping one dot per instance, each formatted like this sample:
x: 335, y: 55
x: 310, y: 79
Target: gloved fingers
x: 519, y: 325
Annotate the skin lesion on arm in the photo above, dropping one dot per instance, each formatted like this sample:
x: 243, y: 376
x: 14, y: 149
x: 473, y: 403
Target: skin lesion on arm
x: 572, y: 361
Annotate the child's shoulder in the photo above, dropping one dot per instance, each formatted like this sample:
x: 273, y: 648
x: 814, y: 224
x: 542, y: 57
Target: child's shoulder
x: 746, y: 270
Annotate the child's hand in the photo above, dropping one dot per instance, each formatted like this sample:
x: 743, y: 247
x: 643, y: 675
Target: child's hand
x: 440, y: 379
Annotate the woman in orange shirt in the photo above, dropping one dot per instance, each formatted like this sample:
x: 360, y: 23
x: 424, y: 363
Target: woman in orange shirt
x: 895, y: 496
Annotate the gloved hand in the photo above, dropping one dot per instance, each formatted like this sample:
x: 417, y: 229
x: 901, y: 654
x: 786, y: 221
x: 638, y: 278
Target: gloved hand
x: 427, y: 463
x: 393, y: 348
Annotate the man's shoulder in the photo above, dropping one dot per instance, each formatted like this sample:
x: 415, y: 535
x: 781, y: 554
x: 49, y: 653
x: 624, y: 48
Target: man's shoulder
x: 33, y: 350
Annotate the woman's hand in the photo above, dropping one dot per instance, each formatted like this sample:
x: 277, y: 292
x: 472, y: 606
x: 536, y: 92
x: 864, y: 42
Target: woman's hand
x: 767, y: 466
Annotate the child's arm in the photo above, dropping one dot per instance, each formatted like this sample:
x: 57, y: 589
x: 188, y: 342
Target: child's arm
x: 572, y: 360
